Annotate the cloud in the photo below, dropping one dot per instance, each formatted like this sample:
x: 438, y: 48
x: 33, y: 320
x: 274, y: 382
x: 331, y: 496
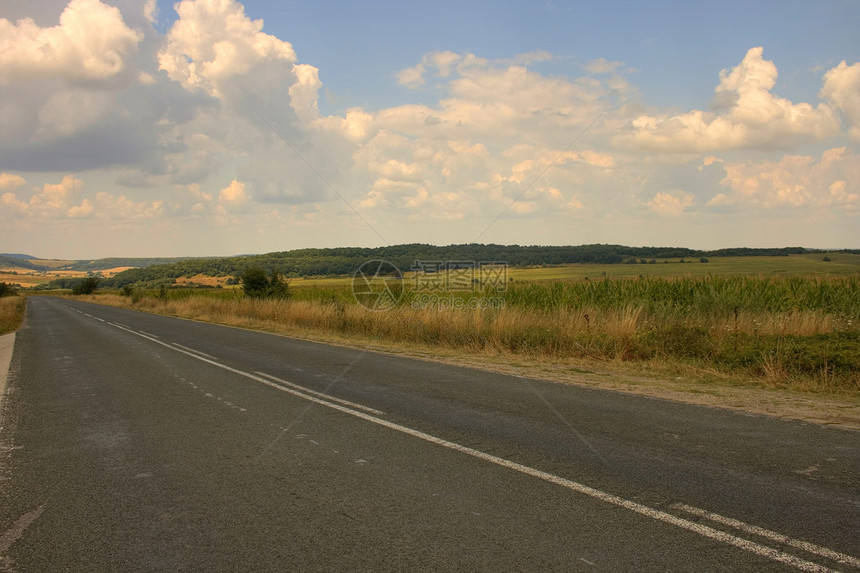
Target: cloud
x: 66, y: 200
x: 68, y: 112
x: 258, y: 98
x: 603, y: 66
x: 70, y: 95
x: 10, y: 181
x: 122, y: 208
x: 12, y: 205
x: 85, y: 209
x: 54, y: 200
x: 213, y: 42
x: 150, y: 10
x: 465, y: 156
x: 842, y: 87
x: 233, y: 195
x: 495, y: 101
x: 92, y: 45
x: 412, y: 77
x: 304, y: 94
x: 794, y: 181
x: 753, y: 117
x: 440, y: 64
x: 671, y: 204
x: 55, y: 197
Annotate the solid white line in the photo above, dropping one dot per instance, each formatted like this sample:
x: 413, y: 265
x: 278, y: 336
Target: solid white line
x: 194, y: 351
x: 323, y: 395
x: 756, y: 530
x: 703, y: 530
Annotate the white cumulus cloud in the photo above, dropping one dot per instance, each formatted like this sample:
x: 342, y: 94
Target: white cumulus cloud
x: 11, y: 180
x: 753, y: 117
x: 842, y: 87
x: 91, y: 44
x: 234, y: 194
x: 214, y: 42
x: 794, y: 181
x: 671, y: 204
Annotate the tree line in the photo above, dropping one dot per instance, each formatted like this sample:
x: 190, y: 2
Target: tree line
x: 345, y: 260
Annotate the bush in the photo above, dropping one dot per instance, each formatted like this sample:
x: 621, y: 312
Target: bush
x: 7, y: 289
x: 86, y: 286
x: 257, y: 284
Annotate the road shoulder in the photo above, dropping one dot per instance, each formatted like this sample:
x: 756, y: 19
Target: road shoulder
x: 7, y: 343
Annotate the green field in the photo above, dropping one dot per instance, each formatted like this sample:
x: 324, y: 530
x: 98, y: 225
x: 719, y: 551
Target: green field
x: 840, y: 264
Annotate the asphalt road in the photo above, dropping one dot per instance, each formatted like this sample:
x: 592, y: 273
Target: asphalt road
x: 133, y: 442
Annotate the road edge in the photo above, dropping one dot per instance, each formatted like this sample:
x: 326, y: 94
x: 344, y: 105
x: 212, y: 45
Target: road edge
x: 7, y: 344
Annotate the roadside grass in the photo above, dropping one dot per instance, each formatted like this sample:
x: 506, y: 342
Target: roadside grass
x: 11, y: 313
x: 796, y: 333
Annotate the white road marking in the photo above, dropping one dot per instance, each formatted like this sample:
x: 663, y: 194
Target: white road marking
x: 778, y: 537
x: 656, y: 514
x: 194, y: 351
x: 321, y: 395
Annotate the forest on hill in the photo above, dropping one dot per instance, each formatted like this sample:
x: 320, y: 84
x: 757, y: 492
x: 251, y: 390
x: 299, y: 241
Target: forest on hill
x: 344, y: 261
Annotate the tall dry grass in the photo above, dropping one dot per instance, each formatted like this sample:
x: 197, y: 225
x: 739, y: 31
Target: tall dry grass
x: 11, y: 313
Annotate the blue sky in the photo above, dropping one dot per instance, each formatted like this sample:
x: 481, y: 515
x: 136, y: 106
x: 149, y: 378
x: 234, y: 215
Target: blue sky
x: 141, y: 129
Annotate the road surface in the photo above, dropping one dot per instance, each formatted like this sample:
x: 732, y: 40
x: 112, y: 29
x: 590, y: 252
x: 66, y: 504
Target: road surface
x: 134, y: 442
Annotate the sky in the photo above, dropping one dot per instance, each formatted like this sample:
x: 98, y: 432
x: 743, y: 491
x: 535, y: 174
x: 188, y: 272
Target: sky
x: 144, y: 128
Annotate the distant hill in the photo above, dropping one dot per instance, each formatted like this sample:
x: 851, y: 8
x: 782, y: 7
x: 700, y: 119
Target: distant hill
x: 20, y: 261
x: 113, y: 262
x: 17, y: 256
x: 344, y: 261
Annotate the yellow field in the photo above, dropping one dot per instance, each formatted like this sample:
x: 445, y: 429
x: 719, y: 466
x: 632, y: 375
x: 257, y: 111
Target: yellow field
x: 25, y: 277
